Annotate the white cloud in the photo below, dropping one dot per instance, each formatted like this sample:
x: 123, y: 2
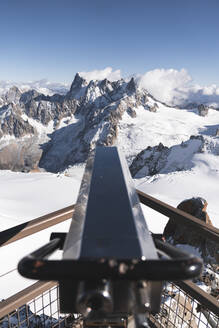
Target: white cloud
x: 106, y: 73
x: 175, y: 87
x: 165, y: 84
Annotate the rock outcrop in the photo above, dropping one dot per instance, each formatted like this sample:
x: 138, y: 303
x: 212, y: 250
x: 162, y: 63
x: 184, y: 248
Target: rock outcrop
x: 14, y: 124
x: 203, y: 110
x: 178, y: 233
x: 12, y: 96
x: 21, y: 156
x: 161, y: 159
x: 149, y: 161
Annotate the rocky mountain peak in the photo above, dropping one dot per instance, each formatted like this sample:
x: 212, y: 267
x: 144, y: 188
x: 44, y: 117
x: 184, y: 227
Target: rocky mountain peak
x: 203, y: 110
x: 89, y: 114
x: 131, y: 86
x: 78, y: 83
x: 12, y: 95
x: 161, y: 159
x: 104, y: 83
x: 28, y: 96
x: 105, y: 86
x: 14, y: 125
x: 92, y: 83
x: 14, y: 89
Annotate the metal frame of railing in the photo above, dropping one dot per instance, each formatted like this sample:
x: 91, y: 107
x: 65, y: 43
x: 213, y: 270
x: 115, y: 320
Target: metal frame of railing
x: 182, y: 309
x: 200, y: 227
x: 30, y: 227
x: 25, y: 296
x: 36, y: 306
x: 180, y: 216
x: 26, y: 229
x: 37, y: 303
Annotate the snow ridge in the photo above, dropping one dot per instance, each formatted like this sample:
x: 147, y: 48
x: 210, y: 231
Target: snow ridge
x: 87, y: 115
x: 63, y: 129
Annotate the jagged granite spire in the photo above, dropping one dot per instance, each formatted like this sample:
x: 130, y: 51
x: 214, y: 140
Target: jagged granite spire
x: 12, y: 95
x: 89, y: 114
x: 78, y: 83
x: 131, y: 86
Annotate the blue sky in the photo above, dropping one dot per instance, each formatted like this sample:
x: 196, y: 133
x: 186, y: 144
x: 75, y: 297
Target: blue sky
x: 54, y: 39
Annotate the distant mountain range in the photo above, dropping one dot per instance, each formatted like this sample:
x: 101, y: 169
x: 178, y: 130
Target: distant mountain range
x: 58, y: 131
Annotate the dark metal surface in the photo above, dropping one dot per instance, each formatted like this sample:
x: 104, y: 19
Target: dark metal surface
x: 177, y: 265
x: 109, y: 248
x: 95, y: 295
x: 108, y: 221
x: 109, y: 240
x: 85, y: 269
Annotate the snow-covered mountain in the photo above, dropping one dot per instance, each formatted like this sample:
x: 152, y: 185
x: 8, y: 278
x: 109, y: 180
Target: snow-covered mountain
x: 182, y: 157
x: 172, y: 152
x: 57, y: 131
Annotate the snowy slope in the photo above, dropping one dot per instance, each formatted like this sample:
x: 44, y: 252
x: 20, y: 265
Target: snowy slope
x: 174, y: 187
x: 170, y: 126
x: 133, y: 127
x: 29, y: 195
x: 25, y: 196
x: 200, y: 170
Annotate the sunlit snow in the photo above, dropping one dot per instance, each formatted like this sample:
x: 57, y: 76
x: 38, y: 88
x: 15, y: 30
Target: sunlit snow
x: 24, y: 196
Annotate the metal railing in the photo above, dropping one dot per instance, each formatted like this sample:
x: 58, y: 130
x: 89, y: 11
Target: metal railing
x: 24, y: 296
x: 36, y: 306
x: 210, y: 303
x: 180, y: 216
x: 30, y: 227
x: 180, y: 309
x: 200, y: 295
x: 23, y: 308
x: 26, y: 229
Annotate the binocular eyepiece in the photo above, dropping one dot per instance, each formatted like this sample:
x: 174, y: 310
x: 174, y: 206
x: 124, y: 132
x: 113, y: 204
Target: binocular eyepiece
x: 93, y: 297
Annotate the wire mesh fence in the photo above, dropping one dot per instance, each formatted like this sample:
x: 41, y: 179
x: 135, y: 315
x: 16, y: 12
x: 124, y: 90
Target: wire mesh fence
x: 41, y: 312
x: 179, y: 309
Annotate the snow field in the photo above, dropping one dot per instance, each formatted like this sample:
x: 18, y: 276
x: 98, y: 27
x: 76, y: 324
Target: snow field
x: 169, y: 126
x: 24, y: 196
